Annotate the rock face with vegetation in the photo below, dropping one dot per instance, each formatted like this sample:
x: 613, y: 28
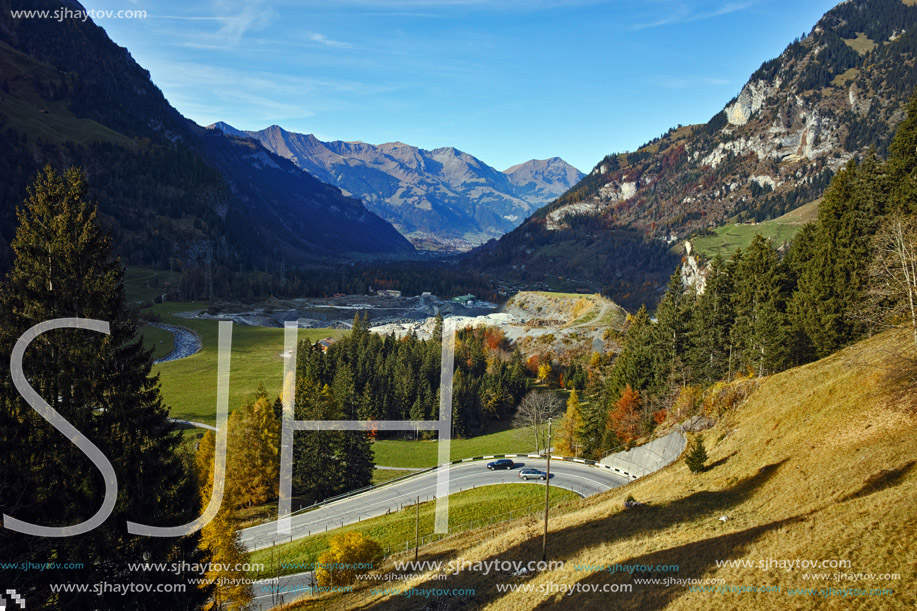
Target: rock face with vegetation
x: 165, y: 186
x: 832, y: 95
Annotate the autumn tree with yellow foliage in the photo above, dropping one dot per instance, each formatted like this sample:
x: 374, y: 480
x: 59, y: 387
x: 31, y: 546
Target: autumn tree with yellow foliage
x: 220, y: 538
x: 252, y: 478
x: 568, y: 440
x: 253, y: 451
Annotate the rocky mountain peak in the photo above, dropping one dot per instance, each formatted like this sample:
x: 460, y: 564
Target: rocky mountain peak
x: 444, y: 198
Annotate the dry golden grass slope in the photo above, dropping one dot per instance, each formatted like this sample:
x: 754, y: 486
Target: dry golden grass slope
x: 819, y: 463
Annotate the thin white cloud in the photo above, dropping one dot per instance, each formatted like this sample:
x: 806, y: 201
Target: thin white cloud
x: 202, y: 91
x: 323, y: 40
x: 410, y: 7
x: 232, y: 18
x: 684, y: 14
x: 244, y: 16
x: 189, y: 18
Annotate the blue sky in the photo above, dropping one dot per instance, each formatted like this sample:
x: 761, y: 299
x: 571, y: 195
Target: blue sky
x: 506, y: 80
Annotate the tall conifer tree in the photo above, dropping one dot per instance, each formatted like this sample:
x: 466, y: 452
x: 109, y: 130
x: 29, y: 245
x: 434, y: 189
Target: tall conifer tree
x: 760, y: 307
x: 63, y: 267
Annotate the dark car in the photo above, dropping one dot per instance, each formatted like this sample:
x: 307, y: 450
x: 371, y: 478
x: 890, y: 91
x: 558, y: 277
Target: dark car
x: 528, y: 474
x: 503, y: 463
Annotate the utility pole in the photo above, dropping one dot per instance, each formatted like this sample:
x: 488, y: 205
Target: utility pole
x: 283, y: 272
x: 417, y: 531
x: 208, y: 271
x: 547, y: 497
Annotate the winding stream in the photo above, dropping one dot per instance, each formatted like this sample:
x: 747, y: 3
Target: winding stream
x: 187, y: 342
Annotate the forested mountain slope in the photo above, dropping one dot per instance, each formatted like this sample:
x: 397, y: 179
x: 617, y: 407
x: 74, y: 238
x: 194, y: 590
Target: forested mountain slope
x: 830, y: 96
x: 166, y: 187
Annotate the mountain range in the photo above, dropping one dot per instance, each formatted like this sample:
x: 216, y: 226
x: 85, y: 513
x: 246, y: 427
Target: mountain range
x: 167, y: 188
x: 832, y: 96
x: 440, y: 199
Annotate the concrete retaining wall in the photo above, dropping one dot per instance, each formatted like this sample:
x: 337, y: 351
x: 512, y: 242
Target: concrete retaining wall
x: 649, y: 457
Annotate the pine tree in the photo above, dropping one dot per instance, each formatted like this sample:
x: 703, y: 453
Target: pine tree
x: 101, y: 384
x: 833, y: 280
x: 356, y: 453
x: 697, y: 456
x: 670, y: 334
x: 635, y: 364
x: 356, y: 456
x: 902, y: 163
x: 316, y: 458
x: 710, y: 336
x: 798, y: 258
x: 593, y: 432
x: 760, y: 308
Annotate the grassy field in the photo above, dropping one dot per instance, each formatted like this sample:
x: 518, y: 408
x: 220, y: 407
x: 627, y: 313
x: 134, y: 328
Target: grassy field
x: 820, y: 463
x: 380, y: 476
x: 861, y: 44
x: 161, y: 341
x: 28, y: 111
x: 727, y: 239
x: 144, y: 284
x: 393, y: 530
x: 420, y: 454
x: 189, y: 384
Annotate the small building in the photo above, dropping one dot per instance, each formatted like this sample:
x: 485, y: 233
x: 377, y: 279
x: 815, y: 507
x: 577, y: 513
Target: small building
x: 388, y: 293
x: 465, y: 300
x: 326, y: 343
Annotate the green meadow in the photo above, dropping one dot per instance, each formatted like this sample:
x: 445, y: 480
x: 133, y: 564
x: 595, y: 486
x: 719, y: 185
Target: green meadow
x: 727, y: 239
x: 468, y: 509
x: 419, y: 454
x: 189, y: 384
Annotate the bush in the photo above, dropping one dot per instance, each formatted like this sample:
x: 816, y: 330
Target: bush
x: 687, y: 402
x: 724, y: 396
x: 350, y: 554
x: 150, y: 317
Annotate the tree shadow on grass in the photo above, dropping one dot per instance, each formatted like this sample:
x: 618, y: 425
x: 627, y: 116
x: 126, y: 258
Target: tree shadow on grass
x: 693, y: 561
x: 719, y: 462
x: 886, y: 478
x: 604, y: 530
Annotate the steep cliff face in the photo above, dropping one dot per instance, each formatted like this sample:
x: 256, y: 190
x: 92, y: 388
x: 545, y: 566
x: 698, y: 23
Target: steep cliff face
x: 831, y: 95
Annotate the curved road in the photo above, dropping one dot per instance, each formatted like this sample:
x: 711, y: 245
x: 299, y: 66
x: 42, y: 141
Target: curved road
x: 582, y: 479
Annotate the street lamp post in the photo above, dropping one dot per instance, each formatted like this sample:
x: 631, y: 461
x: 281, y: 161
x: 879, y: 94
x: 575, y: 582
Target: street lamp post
x: 547, y: 493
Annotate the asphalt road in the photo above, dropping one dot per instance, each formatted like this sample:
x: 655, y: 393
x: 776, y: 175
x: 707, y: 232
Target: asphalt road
x: 579, y: 478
